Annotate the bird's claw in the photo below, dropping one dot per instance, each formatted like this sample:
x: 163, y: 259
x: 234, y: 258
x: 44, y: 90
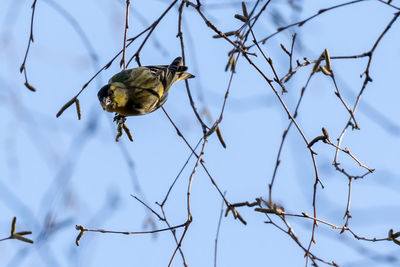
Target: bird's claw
x: 119, y: 119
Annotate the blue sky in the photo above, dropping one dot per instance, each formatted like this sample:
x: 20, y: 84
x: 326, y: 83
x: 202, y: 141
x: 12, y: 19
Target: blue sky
x: 64, y: 171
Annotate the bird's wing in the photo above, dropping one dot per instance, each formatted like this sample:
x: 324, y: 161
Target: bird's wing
x: 150, y: 78
x: 120, y: 77
x: 137, y: 78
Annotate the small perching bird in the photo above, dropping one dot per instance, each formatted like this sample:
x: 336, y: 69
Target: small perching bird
x: 141, y: 90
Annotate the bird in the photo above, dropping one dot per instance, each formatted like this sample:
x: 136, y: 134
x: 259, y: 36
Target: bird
x: 141, y: 90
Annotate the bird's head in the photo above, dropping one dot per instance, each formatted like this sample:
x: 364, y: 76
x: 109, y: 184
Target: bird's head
x: 112, y: 96
x: 105, y: 97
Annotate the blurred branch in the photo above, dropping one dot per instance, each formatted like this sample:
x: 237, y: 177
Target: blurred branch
x: 217, y: 234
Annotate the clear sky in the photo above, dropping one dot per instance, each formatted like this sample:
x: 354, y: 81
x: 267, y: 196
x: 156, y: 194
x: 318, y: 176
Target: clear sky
x: 56, y: 173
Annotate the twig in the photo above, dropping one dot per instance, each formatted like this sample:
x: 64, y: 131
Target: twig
x: 122, y: 63
x: 180, y: 35
x: 235, y: 213
x: 312, y: 153
x: 347, y: 151
x: 179, y: 174
x: 284, y: 135
x: 82, y: 230
x: 152, y: 28
x: 302, y: 22
x: 163, y: 218
x: 30, y: 40
x: 367, y: 79
x: 188, y: 205
x: 18, y: 235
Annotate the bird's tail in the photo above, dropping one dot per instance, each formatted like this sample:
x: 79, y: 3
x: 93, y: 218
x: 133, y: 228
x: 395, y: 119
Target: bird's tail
x: 178, y: 70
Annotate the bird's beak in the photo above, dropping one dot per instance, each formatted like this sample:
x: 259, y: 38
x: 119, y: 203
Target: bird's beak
x: 105, y: 102
x: 102, y: 105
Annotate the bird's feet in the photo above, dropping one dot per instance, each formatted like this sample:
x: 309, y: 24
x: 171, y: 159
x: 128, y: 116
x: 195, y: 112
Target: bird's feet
x: 119, y: 119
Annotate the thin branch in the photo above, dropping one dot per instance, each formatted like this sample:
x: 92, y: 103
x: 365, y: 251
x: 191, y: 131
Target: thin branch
x: 192, y: 104
x: 367, y: 79
x: 235, y: 213
x: 122, y: 63
x: 302, y: 22
x: 188, y: 204
x: 179, y: 174
x: 284, y: 135
x: 152, y: 28
x: 82, y: 230
x: 30, y: 40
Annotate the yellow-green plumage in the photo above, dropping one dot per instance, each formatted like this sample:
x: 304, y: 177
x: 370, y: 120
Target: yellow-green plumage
x: 141, y: 90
